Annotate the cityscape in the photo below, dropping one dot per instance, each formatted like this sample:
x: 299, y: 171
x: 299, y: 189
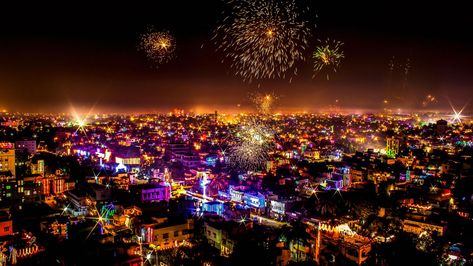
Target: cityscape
x: 236, y: 132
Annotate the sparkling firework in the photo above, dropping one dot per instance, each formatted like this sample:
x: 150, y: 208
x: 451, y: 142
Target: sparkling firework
x: 263, y: 39
x: 252, y: 146
x: 264, y: 102
x: 159, y: 47
x: 328, y: 55
x: 429, y: 100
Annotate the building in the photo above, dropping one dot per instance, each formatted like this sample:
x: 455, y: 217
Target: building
x: 278, y: 208
x: 28, y: 145
x: 128, y: 156
x: 32, y: 188
x: 417, y: 227
x: 441, y: 127
x: 221, y: 235
x: 152, y: 192
x: 163, y: 233
x: 9, y: 188
x: 213, y: 207
x: 78, y: 201
x: 7, y: 157
x: 6, y: 224
x: 37, y: 167
x: 392, y: 147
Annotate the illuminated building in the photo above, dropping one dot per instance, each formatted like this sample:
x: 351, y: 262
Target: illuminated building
x: 37, y: 168
x: 278, y: 208
x: 417, y: 227
x: 128, y: 161
x: 7, y: 157
x: 392, y: 147
x: 235, y: 195
x: 213, y: 207
x: 351, y: 245
x: 78, y: 201
x: 32, y: 188
x: 152, y: 192
x: 222, y: 235
x: 163, y: 234
x: 8, y: 188
x: 358, y: 175
x: 56, y: 227
x: 255, y: 200
x: 28, y: 145
x: 128, y: 157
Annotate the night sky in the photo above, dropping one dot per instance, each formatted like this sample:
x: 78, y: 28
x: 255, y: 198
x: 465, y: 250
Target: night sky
x: 56, y: 55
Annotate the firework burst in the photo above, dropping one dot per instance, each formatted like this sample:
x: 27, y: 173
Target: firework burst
x: 264, y: 102
x: 263, y: 39
x: 429, y: 100
x: 328, y: 55
x: 253, y: 143
x: 159, y: 47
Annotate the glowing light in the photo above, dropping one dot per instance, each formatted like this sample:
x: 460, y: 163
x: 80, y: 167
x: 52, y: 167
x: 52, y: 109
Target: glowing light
x: 242, y: 220
x: 457, y: 115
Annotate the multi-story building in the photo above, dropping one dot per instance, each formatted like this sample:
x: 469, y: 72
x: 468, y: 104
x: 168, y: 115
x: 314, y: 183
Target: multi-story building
x: 165, y: 234
x: 417, y: 227
x: 392, y: 146
x: 28, y: 145
x: 6, y: 224
x: 152, y: 192
x: 7, y: 157
x: 8, y: 188
x: 220, y: 235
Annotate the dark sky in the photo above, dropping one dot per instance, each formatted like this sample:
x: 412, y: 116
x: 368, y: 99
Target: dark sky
x: 84, y: 54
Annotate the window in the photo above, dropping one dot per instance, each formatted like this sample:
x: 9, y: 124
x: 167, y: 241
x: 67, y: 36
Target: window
x: 176, y: 233
x: 6, y: 229
x: 166, y: 235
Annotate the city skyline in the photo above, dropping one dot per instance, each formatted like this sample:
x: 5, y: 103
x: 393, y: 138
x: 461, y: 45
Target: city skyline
x: 53, y: 59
